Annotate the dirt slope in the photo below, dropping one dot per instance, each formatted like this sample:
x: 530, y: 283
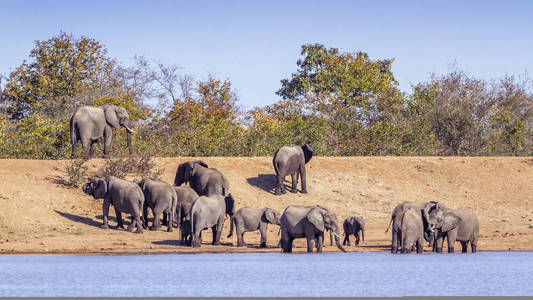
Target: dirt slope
x: 39, y: 215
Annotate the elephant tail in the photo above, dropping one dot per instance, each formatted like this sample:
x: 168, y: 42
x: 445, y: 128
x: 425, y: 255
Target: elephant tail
x: 388, y: 227
x: 231, y: 225
x: 73, y: 136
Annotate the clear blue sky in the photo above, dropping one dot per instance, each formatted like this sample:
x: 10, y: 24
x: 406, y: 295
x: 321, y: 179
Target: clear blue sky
x: 256, y: 43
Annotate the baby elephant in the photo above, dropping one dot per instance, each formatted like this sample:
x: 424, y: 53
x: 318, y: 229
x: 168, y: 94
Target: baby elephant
x: 251, y: 219
x: 352, y: 225
x: 161, y: 198
x: 186, y: 232
x: 126, y: 197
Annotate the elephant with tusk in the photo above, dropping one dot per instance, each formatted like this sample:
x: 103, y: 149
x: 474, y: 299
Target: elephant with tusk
x: 88, y: 124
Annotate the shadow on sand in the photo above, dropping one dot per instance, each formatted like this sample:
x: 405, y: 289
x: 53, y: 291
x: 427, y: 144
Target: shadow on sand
x: 79, y: 219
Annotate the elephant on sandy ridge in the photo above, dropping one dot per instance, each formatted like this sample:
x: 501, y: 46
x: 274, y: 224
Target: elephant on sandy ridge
x: 291, y: 160
x: 88, y: 124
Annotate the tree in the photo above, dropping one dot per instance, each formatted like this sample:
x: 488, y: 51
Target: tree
x: 63, y: 73
x: 456, y: 106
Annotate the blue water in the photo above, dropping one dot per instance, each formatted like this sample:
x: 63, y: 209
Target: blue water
x: 269, y: 274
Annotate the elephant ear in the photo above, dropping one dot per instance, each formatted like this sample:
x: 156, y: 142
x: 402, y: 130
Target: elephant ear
x: 100, y: 191
x: 189, y: 171
x: 316, y: 217
x: 111, y: 116
x: 451, y: 220
x: 270, y: 216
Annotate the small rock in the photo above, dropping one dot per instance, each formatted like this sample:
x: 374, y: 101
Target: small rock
x: 43, y: 243
x: 362, y: 194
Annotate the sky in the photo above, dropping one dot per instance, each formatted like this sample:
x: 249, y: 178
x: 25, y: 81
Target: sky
x: 255, y: 44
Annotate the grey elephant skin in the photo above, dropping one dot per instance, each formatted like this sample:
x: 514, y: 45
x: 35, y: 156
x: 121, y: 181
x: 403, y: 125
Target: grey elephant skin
x: 291, y: 160
x: 186, y: 197
x: 412, y: 228
x: 186, y: 232
x: 126, y: 197
x: 459, y: 224
x: 308, y: 222
x: 209, y: 212
x: 352, y: 226
x: 250, y: 219
x: 397, y: 213
x: 204, y: 180
x: 88, y: 124
x: 161, y: 198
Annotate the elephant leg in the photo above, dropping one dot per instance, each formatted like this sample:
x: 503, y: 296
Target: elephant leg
x: 108, y: 138
x: 263, y: 231
x: 137, y: 222
x: 120, y: 223
x: 85, y: 147
x: 451, y: 236
x: 105, y: 212
x: 319, y: 241
x: 294, y: 179
x: 93, y: 148
x: 74, y: 142
x: 396, y: 237
x: 346, y: 240
x: 311, y: 243
x: 145, y: 215
x: 464, y: 247
x: 218, y: 231
x: 240, y: 238
x: 277, y: 190
x: 170, y: 215
x: 357, y: 238
x: 302, y: 177
x: 474, y: 247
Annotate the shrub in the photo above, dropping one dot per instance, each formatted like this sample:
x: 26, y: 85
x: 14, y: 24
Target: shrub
x: 75, y: 172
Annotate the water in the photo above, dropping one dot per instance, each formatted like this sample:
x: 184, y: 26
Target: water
x: 269, y: 274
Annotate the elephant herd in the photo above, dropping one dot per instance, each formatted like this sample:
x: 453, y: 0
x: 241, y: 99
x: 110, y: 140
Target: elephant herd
x: 206, y: 200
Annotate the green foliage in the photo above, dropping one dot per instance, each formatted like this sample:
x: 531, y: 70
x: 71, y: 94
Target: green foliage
x: 60, y: 71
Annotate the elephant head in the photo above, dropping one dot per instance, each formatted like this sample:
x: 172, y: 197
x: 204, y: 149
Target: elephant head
x: 230, y: 205
x: 444, y: 219
x: 186, y: 170
x: 323, y: 219
x: 271, y: 216
x: 96, y: 187
x: 117, y: 116
x: 308, y: 152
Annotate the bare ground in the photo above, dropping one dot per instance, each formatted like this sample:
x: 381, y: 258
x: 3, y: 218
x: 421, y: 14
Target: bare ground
x: 38, y: 214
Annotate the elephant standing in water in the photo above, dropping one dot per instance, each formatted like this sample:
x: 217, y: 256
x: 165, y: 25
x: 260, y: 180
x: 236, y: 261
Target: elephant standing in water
x: 291, y: 160
x: 204, y: 180
x: 88, y: 124
x: 308, y: 222
x: 396, y: 217
x: 208, y: 212
x: 251, y: 219
x: 126, y: 196
x: 413, y: 229
x: 353, y: 225
x: 456, y: 225
x: 161, y: 198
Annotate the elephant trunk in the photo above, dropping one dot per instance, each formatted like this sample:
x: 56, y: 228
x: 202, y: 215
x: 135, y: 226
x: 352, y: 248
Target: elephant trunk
x: 128, y: 139
x: 231, y: 221
x: 338, y: 241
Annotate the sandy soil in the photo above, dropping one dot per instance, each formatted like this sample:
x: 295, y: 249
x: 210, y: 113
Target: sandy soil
x: 40, y: 215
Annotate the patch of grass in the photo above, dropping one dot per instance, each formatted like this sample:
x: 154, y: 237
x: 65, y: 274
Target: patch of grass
x: 75, y: 172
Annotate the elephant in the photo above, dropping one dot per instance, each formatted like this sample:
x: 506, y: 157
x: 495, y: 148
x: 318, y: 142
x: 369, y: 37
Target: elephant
x: 126, y: 197
x: 161, y: 198
x: 251, y: 219
x: 456, y: 225
x: 186, y: 197
x: 353, y: 225
x: 309, y: 222
x: 412, y: 229
x: 291, y: 160
x: 204, y: 180
x: 186, y: 232
x: 397, y: 214
x: 88, y: 124
x: 208, y: 212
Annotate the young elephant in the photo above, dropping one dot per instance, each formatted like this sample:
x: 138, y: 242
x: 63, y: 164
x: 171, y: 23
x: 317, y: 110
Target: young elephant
x: 412, y: 227
x: 291, y: 160
x: 186, y: 232
x: 308, y: 222
x: 126, y: 197
x: 208, y: 212
x: 352, y: 225
x: 161, y: 198
x: 456, y: 225
x: 251, y: 219
x: 186, y: 197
